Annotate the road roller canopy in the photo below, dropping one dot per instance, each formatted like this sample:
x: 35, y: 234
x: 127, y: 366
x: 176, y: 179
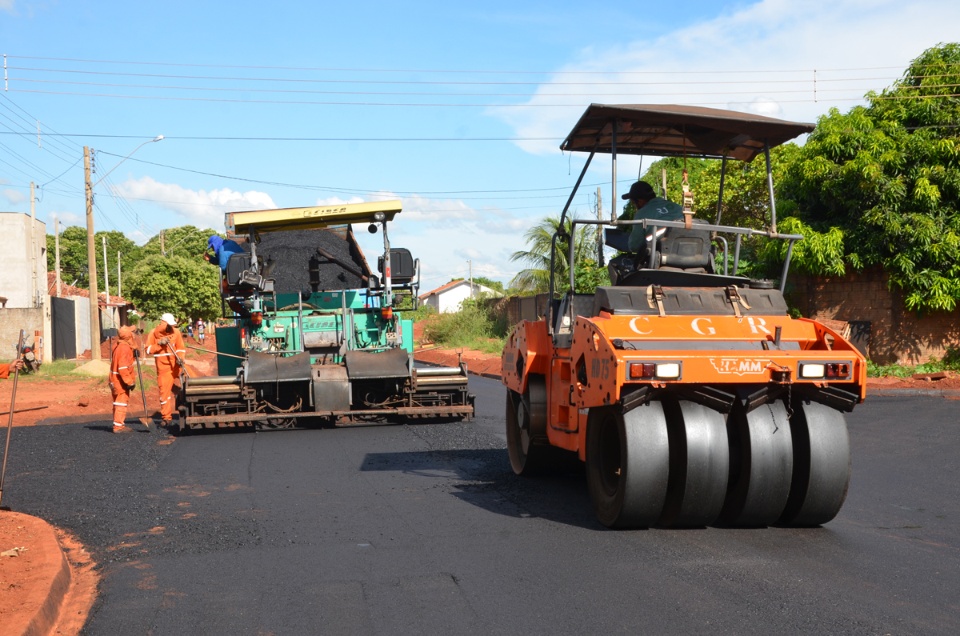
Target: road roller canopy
x: 669, y: 130
x: 317, y: 217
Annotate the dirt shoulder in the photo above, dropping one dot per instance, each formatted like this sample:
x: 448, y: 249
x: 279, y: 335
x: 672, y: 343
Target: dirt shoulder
x: 74, y: 397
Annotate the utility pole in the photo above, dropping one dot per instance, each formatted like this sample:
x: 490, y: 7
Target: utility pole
x: 470, y: 274
x: 163, y: 251
x: 56, y: 241
x: 91, y: 263
x: 119, y: 293
x: 599, y: 228
x: 106, y: 281
x: 34, y: 292
x: 91, y: 250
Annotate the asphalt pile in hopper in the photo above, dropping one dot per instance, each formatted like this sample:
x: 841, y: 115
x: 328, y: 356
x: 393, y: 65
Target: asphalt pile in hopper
x: 291, y: 259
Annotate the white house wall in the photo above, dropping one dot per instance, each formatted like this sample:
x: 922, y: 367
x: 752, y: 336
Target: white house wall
x: 452, y: 299
x: 23, y: 277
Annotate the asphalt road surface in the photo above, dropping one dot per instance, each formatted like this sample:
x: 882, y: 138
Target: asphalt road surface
x: 424, y: 530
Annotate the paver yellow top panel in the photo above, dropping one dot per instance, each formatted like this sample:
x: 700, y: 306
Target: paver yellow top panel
x: 310, y: 217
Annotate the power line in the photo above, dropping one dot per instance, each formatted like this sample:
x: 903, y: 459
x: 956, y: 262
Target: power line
x: 307, y: 139
x: 438, y: 71
x: 614, y: 81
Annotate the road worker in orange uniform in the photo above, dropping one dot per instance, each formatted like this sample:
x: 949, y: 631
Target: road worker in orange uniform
x: 6, y: 369
x: 122, y: 377
x: 165, y: 344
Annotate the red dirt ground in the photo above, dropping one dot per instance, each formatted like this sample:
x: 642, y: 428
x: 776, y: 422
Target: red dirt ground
x: 43, y: 400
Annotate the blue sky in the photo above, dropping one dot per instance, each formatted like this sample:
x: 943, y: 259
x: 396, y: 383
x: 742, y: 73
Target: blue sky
x: 456, y: 109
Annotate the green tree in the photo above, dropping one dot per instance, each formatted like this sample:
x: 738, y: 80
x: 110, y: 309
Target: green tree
x: 495, y: 285
x: 187, y: 288
x: 129, y: 258
x: 73, y: 255
x: 746, y: 199
x: 186, y: 241
x: 536, y: 277
x: 885, y: 180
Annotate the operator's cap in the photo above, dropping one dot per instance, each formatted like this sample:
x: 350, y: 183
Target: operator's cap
x: 169, y: 319
x: 639, y: 190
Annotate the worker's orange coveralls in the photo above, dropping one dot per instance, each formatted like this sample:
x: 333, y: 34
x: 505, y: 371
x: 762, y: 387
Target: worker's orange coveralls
x: 122, y: 374
x: 168, y: 369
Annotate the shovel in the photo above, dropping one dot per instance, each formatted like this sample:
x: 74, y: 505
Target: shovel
x: 145, y: 420
x: 13, y: 409
x: 183, y: 367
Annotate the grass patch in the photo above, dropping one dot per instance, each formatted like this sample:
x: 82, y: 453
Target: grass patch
x: 56, y: 370
x: 950, y: 362
x: 470, y: 328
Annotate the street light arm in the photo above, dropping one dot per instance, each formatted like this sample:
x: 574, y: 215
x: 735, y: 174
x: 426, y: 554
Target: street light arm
x: 149, y: 141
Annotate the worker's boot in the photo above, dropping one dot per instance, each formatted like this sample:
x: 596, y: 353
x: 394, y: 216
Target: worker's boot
x: 120, y: 428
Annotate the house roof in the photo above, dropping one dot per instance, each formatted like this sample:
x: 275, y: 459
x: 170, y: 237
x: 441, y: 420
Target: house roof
x: 67, y: 290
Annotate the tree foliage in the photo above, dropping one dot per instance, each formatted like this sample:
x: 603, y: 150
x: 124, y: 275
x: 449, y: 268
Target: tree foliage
x: 186, y: 287
x: 495, y: 285
x: 746, y: 198
x: 885, y: 179
x: 536, y: 277
x: 186, y: 241
x: 73, y: 256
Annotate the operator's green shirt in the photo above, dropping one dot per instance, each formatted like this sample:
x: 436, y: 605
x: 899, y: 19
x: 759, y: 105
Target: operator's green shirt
x: 656, y: 209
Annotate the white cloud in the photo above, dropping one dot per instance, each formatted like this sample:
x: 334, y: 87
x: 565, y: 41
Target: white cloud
x: 13, y: 197
x: 66, y: 219
x: 7, y: 5
x: 202, y: 208
x: 337, y: 201
x: 450, y: 238
x: 782, y: 58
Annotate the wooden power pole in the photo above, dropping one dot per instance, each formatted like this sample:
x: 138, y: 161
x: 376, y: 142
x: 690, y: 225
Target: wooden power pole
x: 91, y: 263
x: 599, y: 228
x: 56, y: 241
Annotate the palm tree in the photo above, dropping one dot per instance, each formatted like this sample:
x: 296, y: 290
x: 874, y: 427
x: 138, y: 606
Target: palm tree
x: 536, y: 278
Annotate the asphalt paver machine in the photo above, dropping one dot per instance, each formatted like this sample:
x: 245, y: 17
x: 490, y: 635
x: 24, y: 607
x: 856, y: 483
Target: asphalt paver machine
x: 313, y: 335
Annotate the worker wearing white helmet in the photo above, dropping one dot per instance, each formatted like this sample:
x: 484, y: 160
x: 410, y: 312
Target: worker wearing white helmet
x: 165, y: 344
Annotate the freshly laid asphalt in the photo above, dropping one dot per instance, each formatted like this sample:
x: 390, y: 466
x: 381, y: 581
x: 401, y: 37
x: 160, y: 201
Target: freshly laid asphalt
x: 121, y: 477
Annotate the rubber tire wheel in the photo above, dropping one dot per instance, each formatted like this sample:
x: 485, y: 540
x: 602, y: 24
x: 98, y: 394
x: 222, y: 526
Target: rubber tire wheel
x: 628, y: 463
x: 761, y: 466
x: 821, y: 465
x: 525, y: 419
x: 699, y: 465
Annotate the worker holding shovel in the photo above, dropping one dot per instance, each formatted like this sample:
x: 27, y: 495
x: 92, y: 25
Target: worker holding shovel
x: 165, y: 344
x: 5, y: 368
x: 122, y: 377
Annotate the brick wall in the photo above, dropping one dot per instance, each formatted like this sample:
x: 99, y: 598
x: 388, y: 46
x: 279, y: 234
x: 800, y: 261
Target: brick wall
x: 895, y: 334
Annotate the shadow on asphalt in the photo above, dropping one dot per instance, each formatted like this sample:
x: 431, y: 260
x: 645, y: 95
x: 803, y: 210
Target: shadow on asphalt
x: 483, y: 478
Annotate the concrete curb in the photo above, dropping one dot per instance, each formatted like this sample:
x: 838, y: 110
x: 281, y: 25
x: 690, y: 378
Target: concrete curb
x: 55, y: 577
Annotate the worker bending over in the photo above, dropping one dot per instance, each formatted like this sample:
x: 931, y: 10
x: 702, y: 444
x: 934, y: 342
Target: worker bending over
x: 165, y: 344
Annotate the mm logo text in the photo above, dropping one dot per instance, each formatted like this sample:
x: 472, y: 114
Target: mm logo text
x: 738, y: 366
